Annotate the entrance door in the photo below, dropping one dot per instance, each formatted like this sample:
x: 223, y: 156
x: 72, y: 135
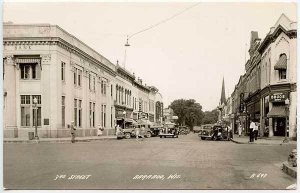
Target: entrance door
x: 279, y: 126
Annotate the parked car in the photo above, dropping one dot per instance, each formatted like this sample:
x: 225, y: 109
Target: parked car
x: 169, y: 130
x: 205, y: 131
x: 196, y: 129
x: 213, y: 132
x: 183, y: 130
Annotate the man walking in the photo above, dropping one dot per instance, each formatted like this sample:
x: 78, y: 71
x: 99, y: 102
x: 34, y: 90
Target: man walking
x: 137, y: 133
x: 73, y: 129
x: 143, y: 132
x: 251, y: 129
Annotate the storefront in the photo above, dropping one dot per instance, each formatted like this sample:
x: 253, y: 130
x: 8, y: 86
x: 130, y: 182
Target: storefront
x: 121, y: 115
x: 278, y: 114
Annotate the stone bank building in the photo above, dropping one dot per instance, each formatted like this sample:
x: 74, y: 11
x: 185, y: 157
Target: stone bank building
x: 52, y: 77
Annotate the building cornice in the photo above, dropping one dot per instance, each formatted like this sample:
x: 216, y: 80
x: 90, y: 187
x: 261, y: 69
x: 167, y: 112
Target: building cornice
x: 61, y: 43
x: 271, y: 37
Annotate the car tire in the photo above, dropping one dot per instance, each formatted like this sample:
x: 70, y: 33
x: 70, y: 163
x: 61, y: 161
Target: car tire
x: 160, y: 136
x: 203, y: 138
x: 148, y: 135
x: 127, y: 135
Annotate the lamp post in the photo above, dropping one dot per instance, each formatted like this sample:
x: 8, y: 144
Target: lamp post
x: 286, y: 102
x: 35, y: 102
x: 124, y: 113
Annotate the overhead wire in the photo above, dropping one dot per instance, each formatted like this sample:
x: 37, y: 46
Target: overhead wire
x: 163, y: 21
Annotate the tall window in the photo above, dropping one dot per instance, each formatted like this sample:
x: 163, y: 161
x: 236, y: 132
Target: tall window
x: 28, y: 110
x: 90, y: 81
x: 30, y: 71
x: 103, y: 87
x: 63, y: 71
x: 117, y: 90
x: 94, y: 114
x: 103, y: 115
x: 79, y: 113
x: 63, y: 107
x: 111, y: 117
x: 94, y: 84
x: 90, y: 110
x: 75, y: 112
x: 79, y: 77
x: 75, y: 76
x: 111, y: 90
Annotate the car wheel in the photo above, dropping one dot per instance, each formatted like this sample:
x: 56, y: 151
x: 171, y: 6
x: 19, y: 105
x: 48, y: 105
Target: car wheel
x: 127, y: 135
x: 148, y: 135
x: 160, y: 136
x: 203, y: 138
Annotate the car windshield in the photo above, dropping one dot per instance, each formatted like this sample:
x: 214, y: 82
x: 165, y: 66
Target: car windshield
x: 206, y: 127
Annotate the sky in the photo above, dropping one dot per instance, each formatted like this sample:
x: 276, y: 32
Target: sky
x: 185, y: 57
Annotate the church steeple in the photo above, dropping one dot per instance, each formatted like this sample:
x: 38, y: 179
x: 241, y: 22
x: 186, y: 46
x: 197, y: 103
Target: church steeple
x: 223, y: 97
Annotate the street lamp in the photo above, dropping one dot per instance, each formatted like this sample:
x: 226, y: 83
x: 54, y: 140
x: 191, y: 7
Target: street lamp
x: 124, y: 113
x: 35, y: 102
x: 286, y: 102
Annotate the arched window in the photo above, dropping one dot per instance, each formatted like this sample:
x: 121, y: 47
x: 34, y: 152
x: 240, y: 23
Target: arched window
x: 281, y: 66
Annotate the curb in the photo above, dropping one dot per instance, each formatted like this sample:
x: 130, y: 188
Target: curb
x: 54, y: 141
x: 238, y: 142
x: 291, y: 171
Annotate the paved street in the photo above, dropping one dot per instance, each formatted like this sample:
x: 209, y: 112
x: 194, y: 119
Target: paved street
x: 113, y: 164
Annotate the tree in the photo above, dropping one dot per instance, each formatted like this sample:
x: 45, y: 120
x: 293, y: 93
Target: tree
x: 188, y: 111
x: 210, y: 117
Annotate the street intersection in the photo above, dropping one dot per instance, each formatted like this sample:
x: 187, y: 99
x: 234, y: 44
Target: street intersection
x: 156, y: 163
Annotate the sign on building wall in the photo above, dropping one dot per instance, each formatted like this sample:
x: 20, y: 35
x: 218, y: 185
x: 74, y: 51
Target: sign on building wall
x: 278, y: 96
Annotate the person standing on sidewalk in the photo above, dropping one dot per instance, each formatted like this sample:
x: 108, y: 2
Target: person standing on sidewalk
x: 240, y: 129
x: 255, y: 131
x: 99, y: 131
x: 251, y: 129
x: 73, y: 129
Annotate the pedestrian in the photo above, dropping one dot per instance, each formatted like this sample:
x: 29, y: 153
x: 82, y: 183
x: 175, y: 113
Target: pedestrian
x: 251, y: 129
x: 99, y: 131
x: 255, y: 133
x: 73, y: 129
x: 137, y: 132
x: 240, y: 129
x: 143, y: 132
x: 118, y: 129
x: 229, y: 129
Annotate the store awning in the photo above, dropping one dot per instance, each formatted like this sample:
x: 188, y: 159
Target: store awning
x: 282, y: 63
x: 277, y: 111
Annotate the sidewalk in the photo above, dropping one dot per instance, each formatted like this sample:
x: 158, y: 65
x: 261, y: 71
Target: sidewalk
x: 59, y: 140
x: 261, y: 140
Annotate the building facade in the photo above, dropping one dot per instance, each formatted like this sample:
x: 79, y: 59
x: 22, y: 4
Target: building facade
x: 52, y: 79
x: 266, y: 93
x: 279, y: 78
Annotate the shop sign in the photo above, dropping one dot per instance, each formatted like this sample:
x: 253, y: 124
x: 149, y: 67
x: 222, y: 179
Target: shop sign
x: 119, y: 114
x: 278, y: 96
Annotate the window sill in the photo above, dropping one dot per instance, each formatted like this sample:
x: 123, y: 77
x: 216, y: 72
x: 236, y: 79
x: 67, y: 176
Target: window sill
x: 30, y: 80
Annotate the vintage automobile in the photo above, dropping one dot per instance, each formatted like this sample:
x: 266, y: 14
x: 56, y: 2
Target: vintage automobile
x: 169, y: 130
x: 129, y: 130
x: 196, y: 129
x: 183, y: 130
x: 213, y: 132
